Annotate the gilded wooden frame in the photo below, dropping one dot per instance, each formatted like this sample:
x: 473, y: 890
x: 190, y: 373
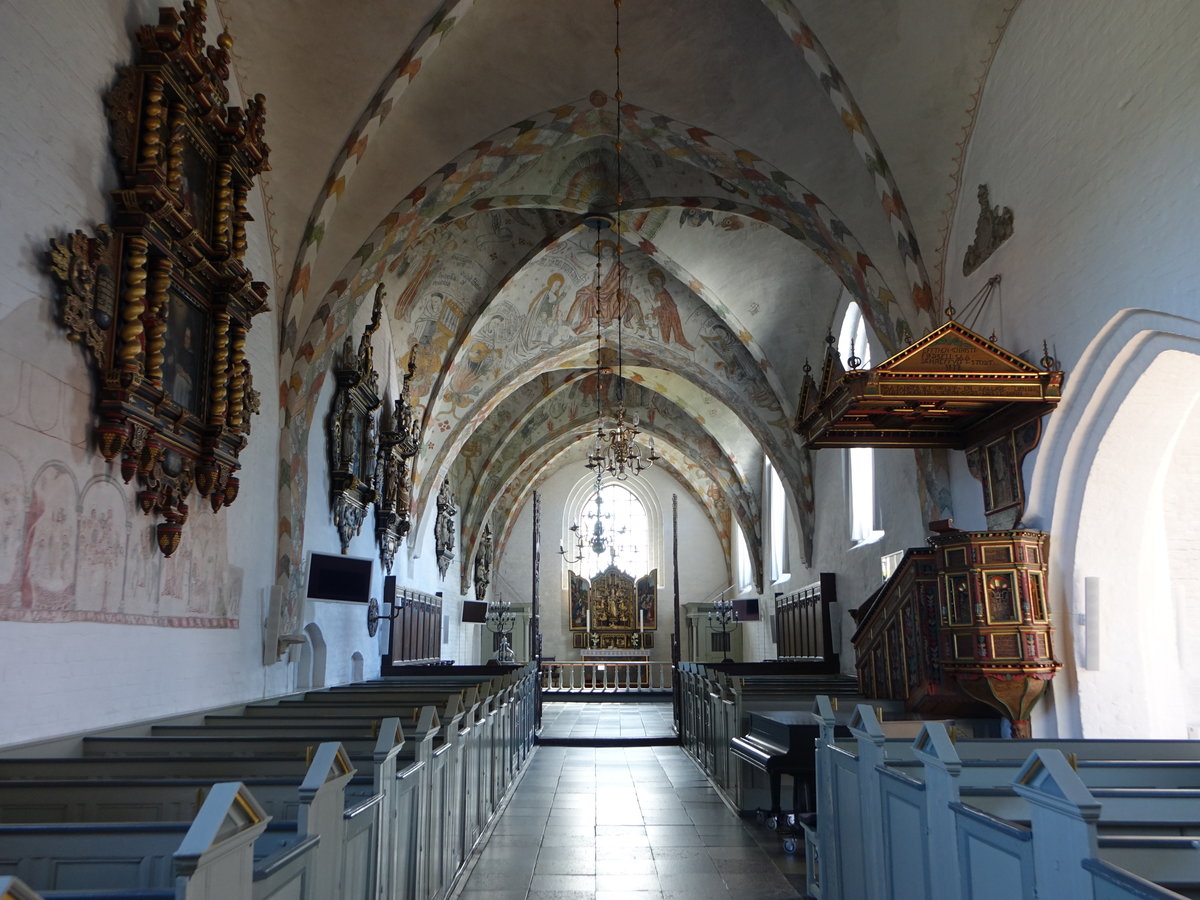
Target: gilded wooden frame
x: 160, y: 299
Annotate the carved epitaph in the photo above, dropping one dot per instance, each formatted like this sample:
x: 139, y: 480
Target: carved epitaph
x: 352, y: 431
x: 399, y: 440
x: 995, y: 226
x: 160, y: 300
x: 483, y: 564
x: 443, y: 530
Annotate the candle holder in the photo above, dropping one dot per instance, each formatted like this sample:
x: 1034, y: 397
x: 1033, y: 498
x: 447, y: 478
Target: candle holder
x: 500, y: 620
x: 722, y: 620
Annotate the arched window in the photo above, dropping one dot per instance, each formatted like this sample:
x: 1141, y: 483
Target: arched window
x: 859, y: 461
x: 777, y: 506
x: 743, y: 569
x: 624, y: 531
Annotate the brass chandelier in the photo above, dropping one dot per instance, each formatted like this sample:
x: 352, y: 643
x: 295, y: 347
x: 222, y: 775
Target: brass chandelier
x: 599, y: 541
x: 616, y: 451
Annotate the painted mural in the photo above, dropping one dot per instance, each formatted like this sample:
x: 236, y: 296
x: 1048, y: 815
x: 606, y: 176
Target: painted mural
x: 569, y: 414
x: 72, y: 553
x: 521, y: 319
x: 660, y: 318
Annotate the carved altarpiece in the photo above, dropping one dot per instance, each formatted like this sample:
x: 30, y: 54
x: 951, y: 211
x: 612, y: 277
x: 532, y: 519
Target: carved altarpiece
x: 399, y: 440
x: 353, y: 441
x: 614, y: 610
x: 161, y: 300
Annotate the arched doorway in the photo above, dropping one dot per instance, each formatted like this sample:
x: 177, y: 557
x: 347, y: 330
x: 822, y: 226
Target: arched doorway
x: 1139, y: 535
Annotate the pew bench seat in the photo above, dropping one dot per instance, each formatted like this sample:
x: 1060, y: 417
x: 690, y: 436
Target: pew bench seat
x: 144, y: 799
x: 244, y: 747
x: 1095, y: 773
x: 1172, y: 862
x: 1121, y: 809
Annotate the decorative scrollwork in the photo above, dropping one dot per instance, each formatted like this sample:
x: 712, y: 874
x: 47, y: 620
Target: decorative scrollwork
x: 157, y: 300
x: 399, y: 441
x: 353, y: 431
x: 483, y: 564
x: 443, y: 530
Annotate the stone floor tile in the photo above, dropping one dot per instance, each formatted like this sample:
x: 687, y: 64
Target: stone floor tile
x: 624, y: 822
x: 628, y: 881
x: 672, y: 835
x: 623, y: 851
x: 618, y: 865
x: 762, y: 885
x: 690, y: 865
x: 725, y: 851
x: 563, y: 883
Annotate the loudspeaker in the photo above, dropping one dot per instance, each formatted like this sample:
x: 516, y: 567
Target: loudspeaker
x: 389, y: 590
x: 1091, y: 622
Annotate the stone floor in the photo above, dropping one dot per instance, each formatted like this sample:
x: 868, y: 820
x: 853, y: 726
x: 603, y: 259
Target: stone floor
x: 627, y: 822
x: 590, y: 720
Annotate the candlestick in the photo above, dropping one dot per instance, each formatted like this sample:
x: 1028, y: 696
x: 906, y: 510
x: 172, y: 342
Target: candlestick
x: 641, y: 620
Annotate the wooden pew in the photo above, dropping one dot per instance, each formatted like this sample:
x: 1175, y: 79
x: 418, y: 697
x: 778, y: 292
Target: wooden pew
x: 15, y: 889
x: 205, y: 859
x: 883, y: 830
x: 429, y: 798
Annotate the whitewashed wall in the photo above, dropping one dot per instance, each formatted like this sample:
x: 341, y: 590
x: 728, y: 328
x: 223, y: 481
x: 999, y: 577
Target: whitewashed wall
x: 1088, y: 129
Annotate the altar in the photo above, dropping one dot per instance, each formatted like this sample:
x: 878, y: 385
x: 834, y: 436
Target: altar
x: 613, y: 616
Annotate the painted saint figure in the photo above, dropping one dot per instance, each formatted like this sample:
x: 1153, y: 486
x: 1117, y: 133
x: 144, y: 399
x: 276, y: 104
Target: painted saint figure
x: 665, y: 310
x: 605, y: 302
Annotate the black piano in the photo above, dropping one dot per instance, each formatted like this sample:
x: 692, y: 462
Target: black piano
x: 782, y: 742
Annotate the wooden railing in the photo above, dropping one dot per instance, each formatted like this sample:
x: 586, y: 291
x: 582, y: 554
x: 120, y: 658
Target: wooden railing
x: 804, y: 622
x: 611, y: 675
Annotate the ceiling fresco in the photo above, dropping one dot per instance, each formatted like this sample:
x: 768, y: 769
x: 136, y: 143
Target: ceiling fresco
x: 567, y: 416
x: 692, y: 479
x: 778, y: 158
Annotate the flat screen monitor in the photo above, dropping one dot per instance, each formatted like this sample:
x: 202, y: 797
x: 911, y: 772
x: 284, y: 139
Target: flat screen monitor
x: 474, y: 611
x: 746, y: 609
x: 339, y: 578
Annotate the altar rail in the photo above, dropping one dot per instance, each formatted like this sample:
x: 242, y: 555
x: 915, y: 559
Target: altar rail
x: 983, y: 819
x: 612, y: 676
x: 368, y: 791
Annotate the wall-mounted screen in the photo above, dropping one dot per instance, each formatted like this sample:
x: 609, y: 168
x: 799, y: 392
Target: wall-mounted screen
x: 339, y: 578
x: 746, y: 609
x: 474, y: 611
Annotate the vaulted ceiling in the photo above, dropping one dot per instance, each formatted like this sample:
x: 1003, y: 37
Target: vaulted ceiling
x: 779, y: 157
